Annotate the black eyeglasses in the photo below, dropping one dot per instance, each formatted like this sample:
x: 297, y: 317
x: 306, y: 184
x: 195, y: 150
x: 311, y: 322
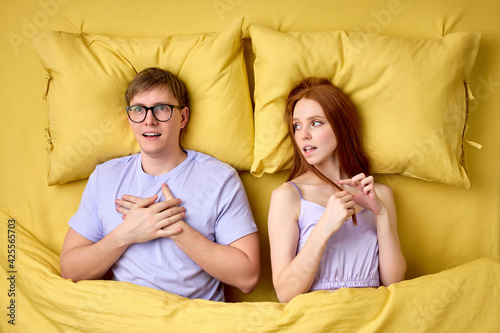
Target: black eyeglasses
x: 161, y: 112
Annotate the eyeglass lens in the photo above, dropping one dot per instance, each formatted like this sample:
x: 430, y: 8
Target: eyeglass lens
x: 138, y: 113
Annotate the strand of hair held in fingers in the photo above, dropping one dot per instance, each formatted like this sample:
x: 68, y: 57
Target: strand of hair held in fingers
x: 330, y: 182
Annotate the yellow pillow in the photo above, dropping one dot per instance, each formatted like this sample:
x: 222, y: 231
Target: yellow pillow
x: 411, y: 96
x: 87, y: 78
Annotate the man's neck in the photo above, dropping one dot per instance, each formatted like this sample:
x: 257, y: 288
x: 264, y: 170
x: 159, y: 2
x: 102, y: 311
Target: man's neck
x: 159, y: 165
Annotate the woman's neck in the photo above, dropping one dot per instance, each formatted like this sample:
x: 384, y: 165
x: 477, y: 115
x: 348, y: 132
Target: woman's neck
x: 331, y: 169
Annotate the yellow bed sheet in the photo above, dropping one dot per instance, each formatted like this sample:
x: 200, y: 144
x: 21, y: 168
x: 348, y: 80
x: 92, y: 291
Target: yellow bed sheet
x: 450, y: 236
x: 465, y: 298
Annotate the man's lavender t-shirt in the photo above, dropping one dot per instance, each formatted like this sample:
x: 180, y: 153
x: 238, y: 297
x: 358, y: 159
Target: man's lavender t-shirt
x: 216, y: 206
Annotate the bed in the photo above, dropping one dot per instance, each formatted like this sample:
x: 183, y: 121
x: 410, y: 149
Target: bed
x: 424, y: 76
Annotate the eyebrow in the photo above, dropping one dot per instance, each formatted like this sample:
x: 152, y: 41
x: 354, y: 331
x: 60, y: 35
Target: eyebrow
x: 311, y: 117
x: 154, y: 104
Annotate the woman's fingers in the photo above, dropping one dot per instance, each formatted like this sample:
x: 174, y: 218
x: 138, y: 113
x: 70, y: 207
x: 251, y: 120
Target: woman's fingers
x: 343, y: 195
x: 359, y: 180
x: 346, y: 200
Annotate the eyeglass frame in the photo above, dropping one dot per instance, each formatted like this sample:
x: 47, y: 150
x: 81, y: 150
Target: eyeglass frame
x: 152, y: 111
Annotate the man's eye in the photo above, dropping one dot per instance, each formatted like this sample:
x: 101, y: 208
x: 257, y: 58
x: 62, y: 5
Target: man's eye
x: 161, y: 108
x: 137, y: 109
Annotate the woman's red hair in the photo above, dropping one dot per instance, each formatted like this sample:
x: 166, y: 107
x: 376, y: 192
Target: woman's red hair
x: 342, y: 116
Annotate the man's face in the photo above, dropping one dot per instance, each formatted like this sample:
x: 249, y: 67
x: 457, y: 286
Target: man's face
x: 155, y: 138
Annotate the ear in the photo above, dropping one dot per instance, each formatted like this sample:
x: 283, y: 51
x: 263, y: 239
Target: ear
x: 184, y: 116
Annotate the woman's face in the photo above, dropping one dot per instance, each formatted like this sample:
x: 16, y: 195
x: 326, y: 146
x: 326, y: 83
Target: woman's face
x: 313, y: 133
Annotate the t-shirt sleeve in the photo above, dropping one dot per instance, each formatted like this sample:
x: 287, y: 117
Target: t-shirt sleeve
x: 234, y: 218
x: 86, y: 219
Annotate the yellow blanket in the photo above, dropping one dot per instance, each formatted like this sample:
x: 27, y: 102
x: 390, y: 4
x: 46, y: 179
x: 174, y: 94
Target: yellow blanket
x: 465, y: 298
x: 444, y: 230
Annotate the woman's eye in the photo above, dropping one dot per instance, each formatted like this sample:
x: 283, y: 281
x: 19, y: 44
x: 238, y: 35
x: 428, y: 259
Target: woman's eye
x: 296, y: 126
x: 137, y: 109
x: 316, y: 123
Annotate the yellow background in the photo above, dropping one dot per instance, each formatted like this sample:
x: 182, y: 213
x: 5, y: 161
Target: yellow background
x: 440, y: 226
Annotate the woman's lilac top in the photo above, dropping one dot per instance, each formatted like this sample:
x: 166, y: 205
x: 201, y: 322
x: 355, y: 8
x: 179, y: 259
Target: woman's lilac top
x: 351, y: 255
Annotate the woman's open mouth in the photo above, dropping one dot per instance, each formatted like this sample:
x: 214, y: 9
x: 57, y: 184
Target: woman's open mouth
x: 309, y: 149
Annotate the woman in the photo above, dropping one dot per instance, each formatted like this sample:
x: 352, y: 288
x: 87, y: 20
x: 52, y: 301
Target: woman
x: 330, y: 225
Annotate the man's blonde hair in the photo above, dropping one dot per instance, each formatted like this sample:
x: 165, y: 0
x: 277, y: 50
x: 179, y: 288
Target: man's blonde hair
x: 153, y: 78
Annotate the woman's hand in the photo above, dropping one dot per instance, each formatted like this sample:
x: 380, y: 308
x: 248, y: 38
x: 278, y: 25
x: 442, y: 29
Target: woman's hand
x: 340, y: 208
x: 365, y: 195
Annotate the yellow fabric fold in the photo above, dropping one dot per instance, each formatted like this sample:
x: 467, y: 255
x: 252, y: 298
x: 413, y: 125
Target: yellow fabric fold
x: 469, y: 91
x: 464, y: 297
x: 48, y: 77
x: 49, y: 139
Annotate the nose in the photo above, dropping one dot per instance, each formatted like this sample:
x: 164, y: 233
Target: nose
x: 150, y: 118
x: 305, y: 134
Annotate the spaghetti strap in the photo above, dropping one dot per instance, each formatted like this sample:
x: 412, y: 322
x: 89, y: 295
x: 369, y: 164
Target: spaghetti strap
x: 300, y: 194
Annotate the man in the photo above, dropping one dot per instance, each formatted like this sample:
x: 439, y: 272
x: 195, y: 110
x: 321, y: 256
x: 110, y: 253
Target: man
x: 181, y: 222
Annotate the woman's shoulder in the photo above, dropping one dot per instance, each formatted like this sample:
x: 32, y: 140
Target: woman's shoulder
x: 285, y: 190
x: 285, y: 202
x: 383, y: 190
x: 292, y: 187
x: 287, y: 196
